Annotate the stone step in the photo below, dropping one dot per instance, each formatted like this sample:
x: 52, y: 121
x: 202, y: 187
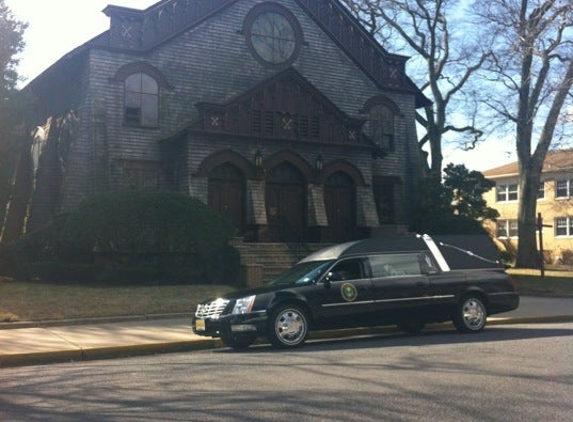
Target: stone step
x: 270, y: 259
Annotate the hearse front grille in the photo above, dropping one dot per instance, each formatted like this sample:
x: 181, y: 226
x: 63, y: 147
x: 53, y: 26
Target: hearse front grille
x: 211, y: 309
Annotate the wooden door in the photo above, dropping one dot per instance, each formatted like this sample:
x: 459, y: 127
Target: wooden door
x: 286, y: 204
x: 227, y: 194
x: 340, y: 203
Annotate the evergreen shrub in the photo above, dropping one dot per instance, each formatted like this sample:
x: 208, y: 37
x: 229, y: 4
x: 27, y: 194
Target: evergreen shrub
x: 131, y: 236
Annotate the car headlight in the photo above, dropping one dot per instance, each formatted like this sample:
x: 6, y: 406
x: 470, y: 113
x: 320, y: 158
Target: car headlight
x: 244, y: 305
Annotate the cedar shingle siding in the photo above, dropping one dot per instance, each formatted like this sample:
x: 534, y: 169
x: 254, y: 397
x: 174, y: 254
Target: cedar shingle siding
x: 223, y: 102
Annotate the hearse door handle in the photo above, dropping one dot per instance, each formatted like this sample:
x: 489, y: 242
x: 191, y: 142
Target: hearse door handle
x: 421, y: 284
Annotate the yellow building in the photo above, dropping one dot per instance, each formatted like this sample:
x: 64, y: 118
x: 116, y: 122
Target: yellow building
x: 555, y: 203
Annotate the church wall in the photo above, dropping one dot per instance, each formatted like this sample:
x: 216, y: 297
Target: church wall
x: 212, y: 63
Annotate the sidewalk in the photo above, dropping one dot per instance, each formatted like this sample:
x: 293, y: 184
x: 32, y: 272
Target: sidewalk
x: 51, y: 344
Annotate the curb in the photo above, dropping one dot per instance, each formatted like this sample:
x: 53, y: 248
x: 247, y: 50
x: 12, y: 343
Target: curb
x: 77, y: 355
x: 100, y: 353
x: 89, y: 321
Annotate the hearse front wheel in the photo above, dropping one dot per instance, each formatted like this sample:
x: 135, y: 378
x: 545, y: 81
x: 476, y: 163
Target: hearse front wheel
x: 288, y: 327
x: 471, y: 315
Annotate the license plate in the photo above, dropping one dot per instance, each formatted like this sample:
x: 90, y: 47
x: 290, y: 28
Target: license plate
x: 200, y: 324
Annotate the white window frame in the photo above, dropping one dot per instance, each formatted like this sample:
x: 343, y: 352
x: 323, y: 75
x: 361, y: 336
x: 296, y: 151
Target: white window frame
x: 568, y: 187
x: 507, y: 190
x: 541, y: 191
x: 565, y: 223
x: 510, y: 227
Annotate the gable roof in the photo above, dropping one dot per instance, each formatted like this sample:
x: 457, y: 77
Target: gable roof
x: 555, y: 161
x: 142, y: 30
x: 303, y: 114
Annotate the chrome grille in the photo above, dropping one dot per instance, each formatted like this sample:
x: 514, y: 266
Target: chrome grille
x: 211, y: 309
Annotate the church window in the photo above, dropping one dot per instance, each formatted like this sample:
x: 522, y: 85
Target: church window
x: 141, y: 106
x: 381, y: 126
x: 273, y: 35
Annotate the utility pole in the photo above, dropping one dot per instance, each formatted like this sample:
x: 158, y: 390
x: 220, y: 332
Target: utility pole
x: 540, y: 226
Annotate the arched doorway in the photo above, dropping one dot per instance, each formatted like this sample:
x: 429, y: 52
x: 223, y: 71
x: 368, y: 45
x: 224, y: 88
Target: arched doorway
x: 227, y: 194
x: 340, y: 204
x: 286, y: 204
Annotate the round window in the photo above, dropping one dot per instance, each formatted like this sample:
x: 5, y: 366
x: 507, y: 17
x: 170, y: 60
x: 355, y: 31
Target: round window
x: 273, y: 34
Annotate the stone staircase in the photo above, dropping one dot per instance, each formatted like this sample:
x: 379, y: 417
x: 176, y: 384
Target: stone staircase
x: 261, y: 262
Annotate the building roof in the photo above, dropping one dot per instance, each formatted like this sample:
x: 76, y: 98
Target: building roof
x: 139, y: 31
x: 555, y: 161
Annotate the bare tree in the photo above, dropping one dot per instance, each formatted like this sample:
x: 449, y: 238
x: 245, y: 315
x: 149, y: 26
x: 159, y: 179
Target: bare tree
x: 11, y: 44
x: 532, y: 75
x: 444, y: 59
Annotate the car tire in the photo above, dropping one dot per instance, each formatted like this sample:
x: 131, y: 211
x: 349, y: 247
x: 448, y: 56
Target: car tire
x: 237, y: 341
x: 288, y: 327
x: 411, y: 327
x: 471, y: 315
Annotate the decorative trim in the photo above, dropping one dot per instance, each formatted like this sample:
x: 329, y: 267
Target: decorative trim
x: 226, y: 156
x: 345, y: 167
x: 141, y: 67
x: 381, y: 100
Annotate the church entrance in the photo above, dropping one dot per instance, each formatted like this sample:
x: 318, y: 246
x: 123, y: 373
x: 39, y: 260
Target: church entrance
x: 286, y: 204
x: 227, y: 194
x: 340, y: 203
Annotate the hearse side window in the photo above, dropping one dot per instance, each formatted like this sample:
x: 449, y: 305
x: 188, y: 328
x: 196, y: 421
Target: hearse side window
x: 350, y: 269
x: 395, y: 265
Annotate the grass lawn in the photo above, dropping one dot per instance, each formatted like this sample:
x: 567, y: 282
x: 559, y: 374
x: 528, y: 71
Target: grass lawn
x: 36, y: 301
x: 555, y: 282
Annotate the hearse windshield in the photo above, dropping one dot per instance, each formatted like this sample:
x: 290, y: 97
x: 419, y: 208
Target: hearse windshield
x: 303, y: 273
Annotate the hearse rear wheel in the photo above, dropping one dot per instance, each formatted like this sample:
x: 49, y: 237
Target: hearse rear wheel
x: 471, y: 315
x: 288, y: 326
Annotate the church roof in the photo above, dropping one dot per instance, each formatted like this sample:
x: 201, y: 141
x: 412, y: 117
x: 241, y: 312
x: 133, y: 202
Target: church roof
x: 142, y: 30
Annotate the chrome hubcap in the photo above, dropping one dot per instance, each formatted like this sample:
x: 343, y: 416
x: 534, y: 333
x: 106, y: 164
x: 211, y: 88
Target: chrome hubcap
x: 290, y: 326
x: 474, y: 314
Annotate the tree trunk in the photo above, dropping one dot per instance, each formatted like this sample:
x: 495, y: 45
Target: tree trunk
x: 527, y: 252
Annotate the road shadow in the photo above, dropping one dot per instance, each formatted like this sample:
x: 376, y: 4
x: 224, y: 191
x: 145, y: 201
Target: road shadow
x: 427, y: 338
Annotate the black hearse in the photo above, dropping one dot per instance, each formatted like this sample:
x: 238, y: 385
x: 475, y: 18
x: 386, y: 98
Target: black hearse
x: 407, y: 281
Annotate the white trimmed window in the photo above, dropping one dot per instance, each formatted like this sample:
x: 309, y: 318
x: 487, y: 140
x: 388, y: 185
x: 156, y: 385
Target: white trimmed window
x: 541, y: 191
x: 564, y: 188
x: 563, y: 226
x: 506, y: 192
x: 506, y: 228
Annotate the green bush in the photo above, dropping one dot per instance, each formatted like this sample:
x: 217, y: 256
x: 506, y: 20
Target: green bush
x: 145, y: 222
x: 129, y: 236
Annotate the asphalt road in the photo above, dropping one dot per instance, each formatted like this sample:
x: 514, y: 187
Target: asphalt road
x: 506, y: 373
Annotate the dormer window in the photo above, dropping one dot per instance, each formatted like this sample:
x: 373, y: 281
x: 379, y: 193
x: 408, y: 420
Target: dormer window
x: 141, y: 106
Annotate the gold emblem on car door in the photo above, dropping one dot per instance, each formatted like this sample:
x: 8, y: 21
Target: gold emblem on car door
x: 349, y: 292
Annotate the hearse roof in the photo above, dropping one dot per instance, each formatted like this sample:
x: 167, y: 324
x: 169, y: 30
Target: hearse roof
x: 458, y: 251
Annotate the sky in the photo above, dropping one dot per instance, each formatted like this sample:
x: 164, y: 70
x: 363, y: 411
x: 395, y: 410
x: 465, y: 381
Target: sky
x: 56, y: 27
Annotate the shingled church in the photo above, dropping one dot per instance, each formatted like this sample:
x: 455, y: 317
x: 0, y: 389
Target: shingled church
x: 287, y: 117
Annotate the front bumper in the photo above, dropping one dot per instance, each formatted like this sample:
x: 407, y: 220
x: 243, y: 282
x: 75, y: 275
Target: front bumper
x: 254, y: 322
